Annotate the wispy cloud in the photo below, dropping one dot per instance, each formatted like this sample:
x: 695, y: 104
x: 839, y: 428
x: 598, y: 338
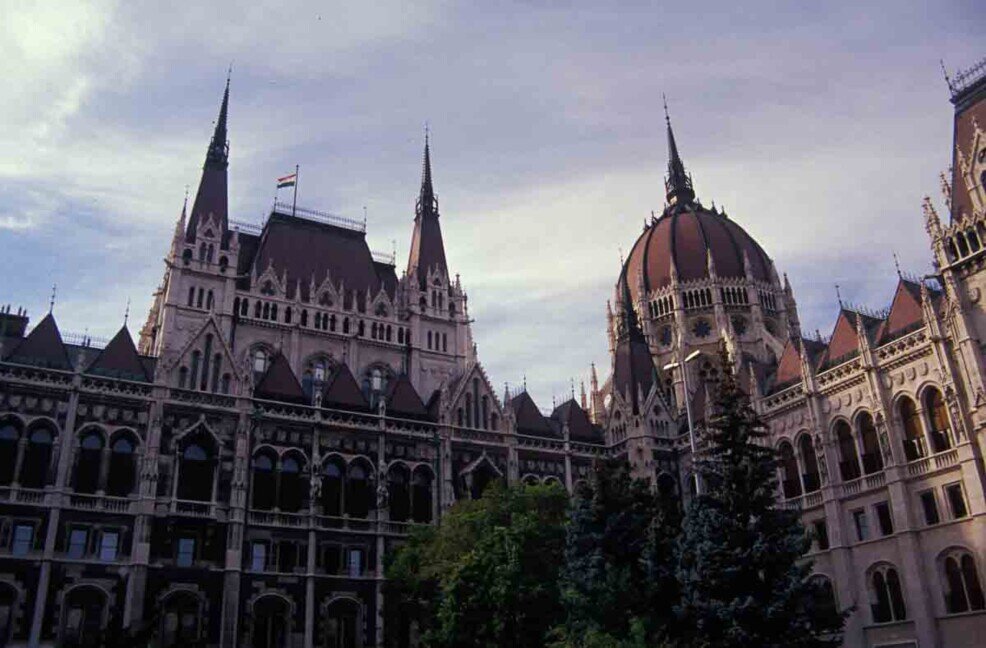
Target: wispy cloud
x: 819, y: 128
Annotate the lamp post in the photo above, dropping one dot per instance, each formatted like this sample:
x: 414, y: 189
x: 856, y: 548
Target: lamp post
x: 683, y: 364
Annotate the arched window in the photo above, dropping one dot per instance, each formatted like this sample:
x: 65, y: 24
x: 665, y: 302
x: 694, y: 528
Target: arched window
x: 270, y: 622
x: 398, y: 493
x: 195, y: 471
x: 342, y: 624
x: 9, y: 436
x: 824, y: 597
x: 482, y: 476
x: 810, y: 477
x: 191, y: 296
x: 259, y: 362
x: 290, y: 490
x: 209, y: 299
x: 911, y: 422
x: 872, y: 458
x: 83, y: 617
x: 530, y: 480
x: 421, y: 495
x: 848, y: 457
x: 37, y: 459
x: 180, y: 621
x: 332, y: 488
x: 790, y: 480
x: 963, y: 591
x: 263, y: 482
x: 122, y: 467
x: 88, y: 463
x: 886, y: 596
x: 359, y: 492
x: 938, y: 417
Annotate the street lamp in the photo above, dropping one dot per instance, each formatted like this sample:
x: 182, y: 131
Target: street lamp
x: 688, y: 409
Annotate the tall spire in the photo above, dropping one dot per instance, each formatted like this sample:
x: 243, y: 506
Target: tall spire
x: 678, y: 185
x: 427, y: 248
x: 211, y: 200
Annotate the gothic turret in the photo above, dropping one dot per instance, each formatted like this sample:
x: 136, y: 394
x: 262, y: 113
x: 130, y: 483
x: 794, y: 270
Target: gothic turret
x: 427, y: 249
x: 211, y: 201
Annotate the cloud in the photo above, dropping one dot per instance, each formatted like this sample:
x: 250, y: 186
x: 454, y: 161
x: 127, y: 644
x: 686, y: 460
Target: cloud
x: 819, y: 127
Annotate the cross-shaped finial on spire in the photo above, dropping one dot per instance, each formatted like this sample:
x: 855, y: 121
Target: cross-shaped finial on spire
x: 897, y: 265
x: 51, y: 302
x: 126, y: 313
x: 667, y: 117
x: 838, y: 294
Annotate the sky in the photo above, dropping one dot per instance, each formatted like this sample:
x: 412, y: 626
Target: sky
x: 819, y: 126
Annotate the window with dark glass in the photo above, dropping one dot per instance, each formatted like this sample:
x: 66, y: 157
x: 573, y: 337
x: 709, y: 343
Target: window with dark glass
x: 821, y: 533
x: 23, y: 541
x: 956, y: 501
x: 87, y: 467
x: 121, y: 475
x: 9, y: 436
x: 929, y: 506
x: 860, y: 525
x: 884, y: 518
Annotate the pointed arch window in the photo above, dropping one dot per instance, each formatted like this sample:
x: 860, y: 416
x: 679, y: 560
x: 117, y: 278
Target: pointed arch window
x: 290, y: 490
x: 809, y: 461
x: 421, y: 495
x: 886, y: 596
x: 872, y: 457
x: 263, y: 482
x: 963, y: 590
x: 37, y: 459
x: 88, y: 464
x: 398, y: 493
x: 122, y: 467
x: 911, y: 422
x: 9, y: 437
x: 848, y: 456
x: 934, y: 403
x: 332, y: 488
x: 195, y: 471
x: 791, y: 482
x: 358, y: 491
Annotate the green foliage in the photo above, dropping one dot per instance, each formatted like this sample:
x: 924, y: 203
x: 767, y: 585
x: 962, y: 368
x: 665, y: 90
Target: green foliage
x: 618, y: 582
x: 487, y: 575
x: 739, y: 558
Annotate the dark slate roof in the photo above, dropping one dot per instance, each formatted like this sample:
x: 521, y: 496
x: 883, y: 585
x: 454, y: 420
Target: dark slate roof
x: 434, y: 404
x: 306, y: 250
x: 42, y: 347
x: 279, y: 383
x: 403, y: 399
x: 211, y: 197
x: 120, y: 359
x: 529, y: 418
x: 341, y: 391
x: 248, y: 250
x: 580, y: 428
x: 427, y: 249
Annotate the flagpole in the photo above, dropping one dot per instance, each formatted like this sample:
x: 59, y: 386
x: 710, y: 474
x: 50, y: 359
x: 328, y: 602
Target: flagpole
x: 294, y: 203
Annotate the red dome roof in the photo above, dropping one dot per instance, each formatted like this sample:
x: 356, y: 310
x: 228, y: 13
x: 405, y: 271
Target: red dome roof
x: 686, y: 235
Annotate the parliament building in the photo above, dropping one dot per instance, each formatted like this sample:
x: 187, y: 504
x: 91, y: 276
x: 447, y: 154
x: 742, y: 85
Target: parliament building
x: 293, y: 406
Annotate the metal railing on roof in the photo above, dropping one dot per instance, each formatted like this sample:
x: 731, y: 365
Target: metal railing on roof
x: 85, y: 340
x: 317, y: 216
x: 964, y: 79
x: 384, y: 257
x: 249, y: 228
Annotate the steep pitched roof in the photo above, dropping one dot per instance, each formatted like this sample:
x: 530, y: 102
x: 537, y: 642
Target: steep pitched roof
x: 342, y: 391
x: 633, y: 366
x: 427, y: 249
x: 580, y: 428
x: 43, y: 347
x: 844, y: 342
x: 403, y: 399
x: 305, y: 250
x: 120, y: 359
x: 528, y: 416
x: 905, y: 311
x: 279, y: 383
x: 789, y: 367
x: 212, y: 195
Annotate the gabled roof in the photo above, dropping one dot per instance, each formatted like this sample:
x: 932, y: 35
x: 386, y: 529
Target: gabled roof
x: 789, y: 367
x: 905, y: 314
x: 279, y: 383
x: 580, y: 428
x: 427, y: 249
x: 43, y: 347
x: 120, y: 359
x: 403, y: 399
x: 341, y: 391
x: 529, y: 418
x: 844, y: 342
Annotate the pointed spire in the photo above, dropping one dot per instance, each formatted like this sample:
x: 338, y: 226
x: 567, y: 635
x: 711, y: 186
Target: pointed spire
x: 212, y: 200
x: 427, y: 248
x: 678, y: 185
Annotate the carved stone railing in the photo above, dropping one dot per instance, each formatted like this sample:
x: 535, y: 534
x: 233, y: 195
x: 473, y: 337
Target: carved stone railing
x: 863, y: 484
x: 933, y: 463
x: 276, y: 518
x: 116, y: 386
x: 35, y: 375
x: 109, y: 504
x: 203, y: 398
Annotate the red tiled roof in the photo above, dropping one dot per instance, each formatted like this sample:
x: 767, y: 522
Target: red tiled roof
x: 279, y: 383
x: 686, y: 236
x: 42, y: 347
x: 120, y: 359
x: 905, y: 311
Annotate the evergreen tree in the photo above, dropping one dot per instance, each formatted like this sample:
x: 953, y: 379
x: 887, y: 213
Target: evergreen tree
x: 618, y: 561
x: 740, y: 568
x: 487, y: 576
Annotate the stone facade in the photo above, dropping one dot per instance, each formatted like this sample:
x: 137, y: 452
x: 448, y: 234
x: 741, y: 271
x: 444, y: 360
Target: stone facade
x: 293, y: 407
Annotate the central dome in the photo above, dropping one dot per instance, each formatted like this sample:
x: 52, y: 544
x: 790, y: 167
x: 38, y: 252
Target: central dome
x: 684, y: 237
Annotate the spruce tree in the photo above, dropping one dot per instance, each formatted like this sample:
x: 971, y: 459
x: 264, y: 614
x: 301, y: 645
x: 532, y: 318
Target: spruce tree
x: 740, y: 564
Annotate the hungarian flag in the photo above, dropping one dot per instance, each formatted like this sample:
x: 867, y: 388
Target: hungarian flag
x: 287, y: 181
